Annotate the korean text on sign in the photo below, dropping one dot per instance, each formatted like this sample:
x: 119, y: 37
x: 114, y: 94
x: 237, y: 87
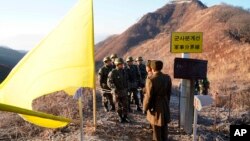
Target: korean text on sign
x: 186, y: 42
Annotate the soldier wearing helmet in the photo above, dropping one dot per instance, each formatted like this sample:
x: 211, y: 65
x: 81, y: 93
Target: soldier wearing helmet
x: 103, y: 76
x: 132, y: 83
x: 113, y: 57
x: 118, y: 82
x: 142, y: 74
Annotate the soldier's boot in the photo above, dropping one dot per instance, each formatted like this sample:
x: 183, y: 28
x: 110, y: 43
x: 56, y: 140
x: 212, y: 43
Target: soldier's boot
x: 138, y: 108
x: 112, y: 107
x: 142, y: 97
x: 106, y: 109
x: 129, y: 108
x: 129, y: 102
x: 120, y: 118
x: 126, y: 119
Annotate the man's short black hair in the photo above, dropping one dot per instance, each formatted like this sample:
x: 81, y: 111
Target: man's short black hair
x: 156, y: 65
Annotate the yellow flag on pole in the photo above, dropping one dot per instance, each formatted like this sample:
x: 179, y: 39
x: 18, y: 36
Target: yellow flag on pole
x: 64, y: 60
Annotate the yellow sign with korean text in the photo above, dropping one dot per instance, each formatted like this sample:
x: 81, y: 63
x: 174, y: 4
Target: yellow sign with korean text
x: 186, y: 42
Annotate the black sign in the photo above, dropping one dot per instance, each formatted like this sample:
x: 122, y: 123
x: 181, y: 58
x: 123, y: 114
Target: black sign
x: 190, y: 68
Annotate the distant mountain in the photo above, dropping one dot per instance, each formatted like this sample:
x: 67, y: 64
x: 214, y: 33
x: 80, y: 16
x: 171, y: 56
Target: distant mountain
x: 8, y: 59
x: 226, y: 41
x: 4, y: 71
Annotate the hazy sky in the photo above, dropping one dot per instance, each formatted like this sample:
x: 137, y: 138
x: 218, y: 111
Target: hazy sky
x: 23, y: 23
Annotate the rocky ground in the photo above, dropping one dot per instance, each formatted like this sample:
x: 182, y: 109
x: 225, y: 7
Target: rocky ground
x: 213, y: 125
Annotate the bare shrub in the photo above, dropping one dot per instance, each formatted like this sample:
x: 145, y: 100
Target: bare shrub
x: 239, y: 27
x: 227, y: 12
x: 13, y: 127
x: 241, y: 101
x: 221, y: 100
x: 238, y: 21
x: 59, y: 104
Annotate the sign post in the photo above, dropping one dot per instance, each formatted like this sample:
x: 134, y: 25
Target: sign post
x: 184, y: 98
x: 185, y: 43
x: 195, y: 125
x: 200, y: 101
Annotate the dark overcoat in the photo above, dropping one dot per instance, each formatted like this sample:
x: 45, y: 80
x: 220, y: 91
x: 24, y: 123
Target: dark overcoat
x: 157, y: 97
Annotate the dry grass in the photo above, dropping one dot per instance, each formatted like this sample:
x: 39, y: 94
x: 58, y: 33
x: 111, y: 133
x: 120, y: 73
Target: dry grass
x: 13, y: 127
x: 57, y: 104
x: 237, y: 20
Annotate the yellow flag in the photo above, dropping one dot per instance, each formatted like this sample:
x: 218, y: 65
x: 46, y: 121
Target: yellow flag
x: 64, y: 60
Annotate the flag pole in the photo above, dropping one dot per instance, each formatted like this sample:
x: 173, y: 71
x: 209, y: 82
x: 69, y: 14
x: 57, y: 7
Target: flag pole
x: 81, y: 117
x: 94, y: 108
x: 94, y: 88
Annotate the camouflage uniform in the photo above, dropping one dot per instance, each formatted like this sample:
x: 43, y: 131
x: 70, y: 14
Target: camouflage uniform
x: 142, y: 73
x: 118, y: 82
x: 204, y: 86
x: 106, y: 96
x: 132, y: 83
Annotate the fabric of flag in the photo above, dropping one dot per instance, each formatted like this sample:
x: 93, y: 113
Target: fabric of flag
x: 64, y: 60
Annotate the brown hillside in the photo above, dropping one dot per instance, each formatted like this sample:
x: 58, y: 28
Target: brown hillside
x: 226, y: 41
x: 165, y: 19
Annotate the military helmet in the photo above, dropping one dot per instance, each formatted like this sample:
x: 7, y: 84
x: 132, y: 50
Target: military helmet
x: 139, y: 59
x: 129, y: 59
x: 118, y: 61
x: 113, y: 56
x: 106, y: 59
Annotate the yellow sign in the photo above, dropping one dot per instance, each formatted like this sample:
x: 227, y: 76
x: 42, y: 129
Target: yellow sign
x: 186, y: 42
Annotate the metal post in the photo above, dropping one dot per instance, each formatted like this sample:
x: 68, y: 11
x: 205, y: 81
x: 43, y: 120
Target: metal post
x: 186, y: 104
x: 81, y: 118
x: 195, y: 125
x: 94, y: 87
x: 179, y: 105
x: 94, y: 108
x: 183, y: 96
x: 190, y: 108
x: 229, y: 111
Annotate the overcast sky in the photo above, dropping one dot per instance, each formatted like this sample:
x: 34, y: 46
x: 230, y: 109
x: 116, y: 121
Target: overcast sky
x: 23, y: 23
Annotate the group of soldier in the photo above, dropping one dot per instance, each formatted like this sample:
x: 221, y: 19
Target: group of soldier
x: 121, y: 84
x: 123, y: 81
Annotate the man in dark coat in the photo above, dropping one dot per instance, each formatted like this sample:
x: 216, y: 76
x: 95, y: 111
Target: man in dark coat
x: 156, y: 101
x: 118, y: 82
x: 103, y: 76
